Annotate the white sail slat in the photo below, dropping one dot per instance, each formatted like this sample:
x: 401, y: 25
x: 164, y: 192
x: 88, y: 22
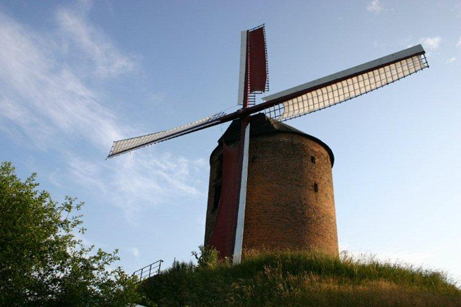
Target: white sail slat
x: 334, y: 89
x: 124, y: 146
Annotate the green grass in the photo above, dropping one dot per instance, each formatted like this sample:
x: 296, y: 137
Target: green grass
x: 300, y: 279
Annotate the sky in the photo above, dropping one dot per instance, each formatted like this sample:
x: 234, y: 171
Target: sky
x: 76, y: 76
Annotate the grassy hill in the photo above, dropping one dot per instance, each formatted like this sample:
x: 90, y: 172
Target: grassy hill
x: 300, y: 279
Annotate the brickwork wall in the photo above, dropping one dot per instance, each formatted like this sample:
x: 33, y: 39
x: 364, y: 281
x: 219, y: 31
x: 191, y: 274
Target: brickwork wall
x: 283, y: 209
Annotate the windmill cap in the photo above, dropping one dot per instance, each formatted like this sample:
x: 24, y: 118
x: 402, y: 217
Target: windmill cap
x: 261, y: 124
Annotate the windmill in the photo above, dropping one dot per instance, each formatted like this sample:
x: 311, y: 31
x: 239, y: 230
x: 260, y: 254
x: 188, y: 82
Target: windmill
x: 285, y: 105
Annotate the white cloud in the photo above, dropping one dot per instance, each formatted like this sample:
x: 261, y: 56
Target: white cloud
x: 134, y: 251
x: 451, y: 60
x: 78, y: 32
x: 156, y: 98
x: 135, y: 183
x: 46, y: 101
x: 457, y: 9
x: 459, y: 43
x: 42, y: 96
x: 431, y: 43
x: 375, y: 6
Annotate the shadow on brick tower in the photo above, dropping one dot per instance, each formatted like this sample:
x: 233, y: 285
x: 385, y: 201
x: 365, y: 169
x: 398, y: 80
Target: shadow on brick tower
x: 290, y: 198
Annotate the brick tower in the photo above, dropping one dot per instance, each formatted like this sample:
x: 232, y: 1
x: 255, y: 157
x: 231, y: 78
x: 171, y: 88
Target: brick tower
x: 290, y: 199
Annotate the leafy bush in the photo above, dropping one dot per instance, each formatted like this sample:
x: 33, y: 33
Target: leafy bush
x: 42, y: 262
x: 207, y: 257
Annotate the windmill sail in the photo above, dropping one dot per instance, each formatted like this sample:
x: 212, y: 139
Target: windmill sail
x: 124, y: 146
x: 257, y: 60
x: 253, y: 76
x: 345, y: 85
x: 304, y: 99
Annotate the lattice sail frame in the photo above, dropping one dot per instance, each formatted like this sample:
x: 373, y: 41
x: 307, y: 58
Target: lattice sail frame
x: 316, y: 97
x: 303, y: 99
x: 124, y: 146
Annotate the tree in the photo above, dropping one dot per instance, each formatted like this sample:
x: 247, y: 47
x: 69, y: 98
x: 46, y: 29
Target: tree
x: 41, y: 260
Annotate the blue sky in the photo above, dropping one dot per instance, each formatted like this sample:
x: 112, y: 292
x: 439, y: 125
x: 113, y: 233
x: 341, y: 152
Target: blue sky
x: 75, y: 76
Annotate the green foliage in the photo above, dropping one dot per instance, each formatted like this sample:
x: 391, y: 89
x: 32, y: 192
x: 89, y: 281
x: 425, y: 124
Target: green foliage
x: 207, y: 258
x: 42, y: 262
x: 301, y: 279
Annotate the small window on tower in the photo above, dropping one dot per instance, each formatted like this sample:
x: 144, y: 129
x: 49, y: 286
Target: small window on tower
x: 312, y: 159
x: 316, y: 187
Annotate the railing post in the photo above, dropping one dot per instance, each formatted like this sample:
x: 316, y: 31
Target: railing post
x: 159, y: 266
x: 154, y: 268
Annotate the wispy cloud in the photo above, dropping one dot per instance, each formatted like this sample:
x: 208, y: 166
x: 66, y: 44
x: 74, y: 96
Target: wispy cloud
x: 134, y: 251
x: 43, y: 96
x: 96, y: 47
x: 458, y: 45
x: 457, y: 9
x: 375, y: 6
x: 47, y: 102
x: 431, y: 43
x: 451, y: 60
x: 135, y: 183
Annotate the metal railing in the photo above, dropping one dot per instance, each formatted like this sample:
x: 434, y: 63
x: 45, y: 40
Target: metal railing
x: 149, y: 270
